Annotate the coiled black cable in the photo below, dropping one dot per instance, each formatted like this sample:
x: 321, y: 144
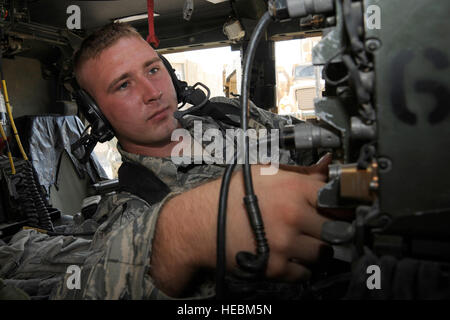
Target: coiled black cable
x: 252, y: 266
x: 221, y: 224
x: 221, y: 231
x: 247, y: 261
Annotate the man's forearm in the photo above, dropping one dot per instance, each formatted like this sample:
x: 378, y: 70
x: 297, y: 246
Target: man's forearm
x: 185, y: 237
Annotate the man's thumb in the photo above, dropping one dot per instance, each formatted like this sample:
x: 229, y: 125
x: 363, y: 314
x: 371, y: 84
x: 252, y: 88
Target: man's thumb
x: 320, y: 169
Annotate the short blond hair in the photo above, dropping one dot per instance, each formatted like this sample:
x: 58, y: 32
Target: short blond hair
x: 93, y: 45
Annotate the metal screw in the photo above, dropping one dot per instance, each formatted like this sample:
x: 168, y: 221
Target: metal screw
x: 384, y: 164
x: 373, y: 44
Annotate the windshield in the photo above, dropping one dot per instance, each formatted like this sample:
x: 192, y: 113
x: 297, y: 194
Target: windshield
x: 304, y: 72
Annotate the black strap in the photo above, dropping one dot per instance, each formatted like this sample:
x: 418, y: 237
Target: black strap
x: 142, y: 182
x: 219, y: 111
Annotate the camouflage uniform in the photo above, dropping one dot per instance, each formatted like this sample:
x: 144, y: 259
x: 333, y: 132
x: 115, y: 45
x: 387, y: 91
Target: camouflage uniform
x: 118, y: 267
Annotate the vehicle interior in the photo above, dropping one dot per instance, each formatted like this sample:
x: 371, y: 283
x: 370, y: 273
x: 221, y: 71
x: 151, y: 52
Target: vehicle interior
x: 379, y: 107
x: 38, y: 43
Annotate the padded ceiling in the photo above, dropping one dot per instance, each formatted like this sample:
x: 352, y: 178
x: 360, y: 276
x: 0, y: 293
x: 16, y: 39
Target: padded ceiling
x: 205, y: 25
x: 97, y: 13
x: 204, y: 28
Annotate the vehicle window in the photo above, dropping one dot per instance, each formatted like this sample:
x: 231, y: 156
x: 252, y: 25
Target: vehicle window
x: 218, y: 68
x: 298, y: 81
x: 304, y: 71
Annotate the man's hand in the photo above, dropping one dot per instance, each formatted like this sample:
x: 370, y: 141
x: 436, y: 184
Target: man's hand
x: 185, y: 239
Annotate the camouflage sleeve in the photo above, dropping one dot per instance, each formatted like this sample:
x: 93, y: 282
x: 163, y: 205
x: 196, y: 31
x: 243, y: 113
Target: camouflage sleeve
x: 260, y: 118
x: 264, y: 119
x: 275, y: 121
x: 119, y: 265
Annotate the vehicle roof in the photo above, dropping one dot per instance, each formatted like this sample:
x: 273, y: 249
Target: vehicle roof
x: 204, y: 27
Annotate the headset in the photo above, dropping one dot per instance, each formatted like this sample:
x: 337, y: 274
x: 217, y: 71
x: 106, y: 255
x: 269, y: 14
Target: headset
x: 101, y: 129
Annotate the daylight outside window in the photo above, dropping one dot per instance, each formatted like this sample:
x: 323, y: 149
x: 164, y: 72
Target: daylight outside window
x: 218, y: 68
x: 298, y: 81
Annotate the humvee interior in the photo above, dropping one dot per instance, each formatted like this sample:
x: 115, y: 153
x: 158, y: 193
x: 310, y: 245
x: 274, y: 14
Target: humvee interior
x: 375, y: 94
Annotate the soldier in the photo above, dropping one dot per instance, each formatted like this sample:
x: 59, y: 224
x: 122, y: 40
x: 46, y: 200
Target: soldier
x: 168, y: 248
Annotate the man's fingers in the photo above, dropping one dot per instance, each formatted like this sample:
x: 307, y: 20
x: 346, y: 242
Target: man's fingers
x: 285, y: 270
x: 318, y: 171
x: 298, y: 169
x: 311, y: 223
x: 340, y: 214
x: 302, y: 213
x: 295, y: 272
x: 308, y: 251
x: 311, y: 191
x: 325, y: 160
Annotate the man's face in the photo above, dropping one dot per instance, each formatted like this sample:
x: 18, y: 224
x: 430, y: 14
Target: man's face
x: 134, y: 91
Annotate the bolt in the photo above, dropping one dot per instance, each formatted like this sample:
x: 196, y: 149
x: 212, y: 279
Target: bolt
x: 384, y: 164
x: 373, y: 44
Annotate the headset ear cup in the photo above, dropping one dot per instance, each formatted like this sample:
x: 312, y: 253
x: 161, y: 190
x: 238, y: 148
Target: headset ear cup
x: 100, y: 125
x: 180, y: 86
